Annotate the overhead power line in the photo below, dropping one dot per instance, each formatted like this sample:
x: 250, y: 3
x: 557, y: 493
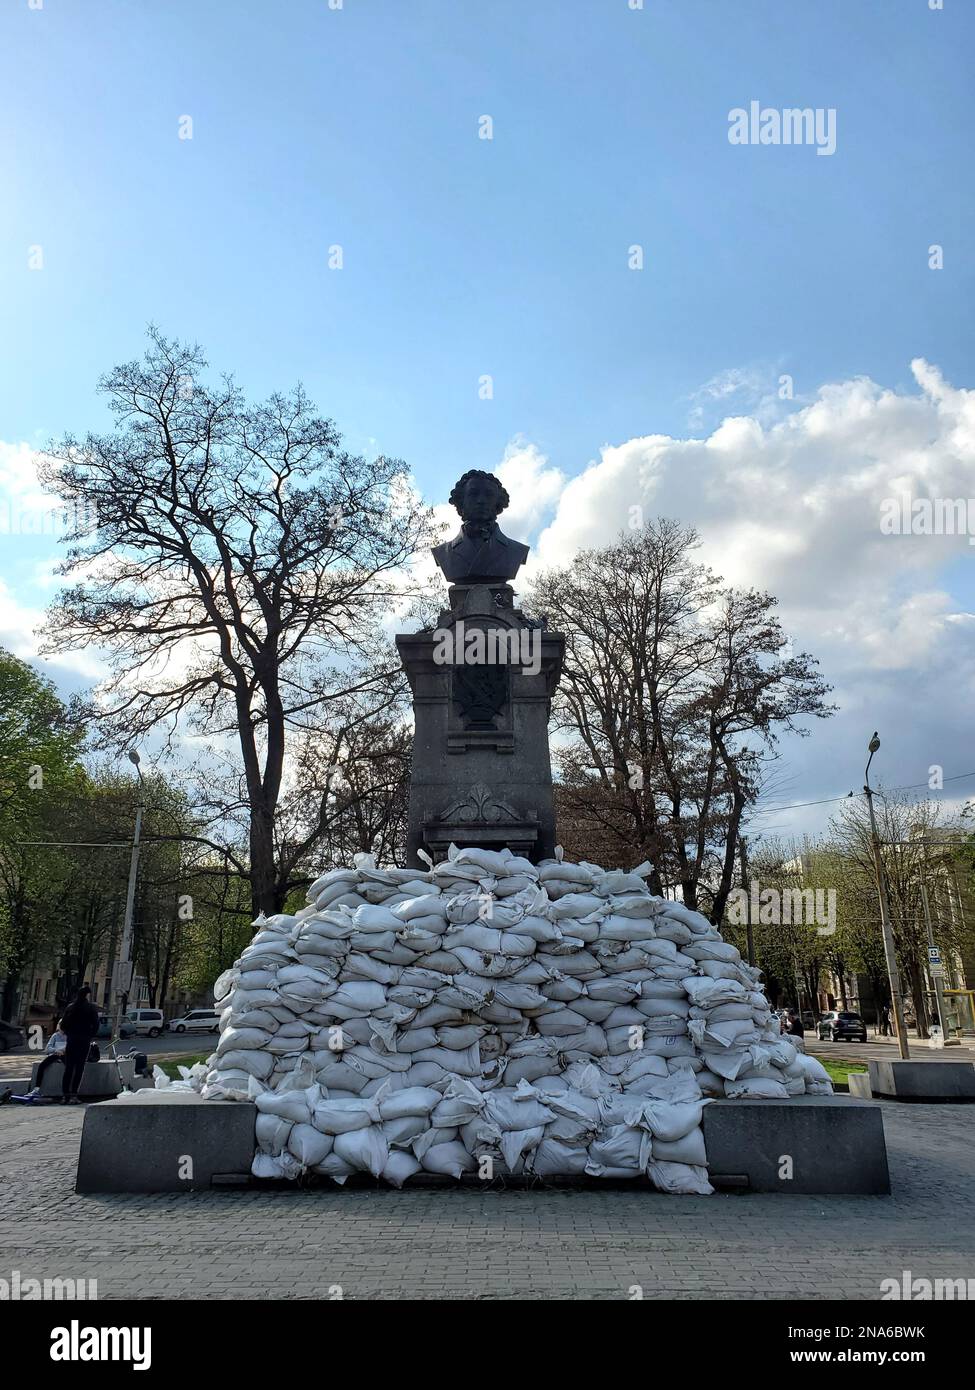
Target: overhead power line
x: 827, y: 800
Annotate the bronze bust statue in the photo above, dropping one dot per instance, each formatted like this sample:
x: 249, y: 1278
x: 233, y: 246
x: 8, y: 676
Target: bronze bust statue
x: 480, y: 553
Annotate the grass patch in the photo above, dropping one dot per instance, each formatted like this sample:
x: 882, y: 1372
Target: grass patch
x: 171, y: 1065
x: 839, y: 1069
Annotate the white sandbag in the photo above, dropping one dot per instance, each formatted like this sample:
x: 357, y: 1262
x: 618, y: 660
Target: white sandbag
x: 695, y: 920
x: 758, y: 1088
x: 334, y: 1166
x: 272, y: 1132
x: 413, y: 1100
x: 287, y: 1105
x: 516, y: 1109
x: 401, y: 1133
x: 552, y: 872
x: 670, y: 1122
x: 450, y: 1158
x: 515, y: 1143
x: 224, y: 983
x: 364, y: 1149
x: 722, y: 951
x: 457, y: 1109
x: 614, y: 991
x: 259, y: 1064
x: 811, y: 1068
x: 620, y: 1148
x: 494, y: 862
x: 233, y: 1038
x: 374, y: 918
x: 634, y: 905
x: 690, y: 1150
x: 561, y: 1023
x: 283, y: 1165
x: 344, y: 1116
x: 576, y: 905
x: 308, y: 1145
x: 712, y: 1085
x: 399, y: 1167
x: 680, y: 1178
x: 554, y: 1158
x: 533, y: 1069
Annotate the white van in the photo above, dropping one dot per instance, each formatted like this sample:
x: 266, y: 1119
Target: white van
x: 146, y: 1021
x: 196, y: 1021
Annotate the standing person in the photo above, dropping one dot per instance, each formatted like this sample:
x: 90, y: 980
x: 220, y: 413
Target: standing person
x: 795, y: 1028
x: 885, y: 1021
x: 80, y: 1023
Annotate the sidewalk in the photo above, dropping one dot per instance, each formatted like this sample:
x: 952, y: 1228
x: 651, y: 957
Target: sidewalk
x: 473, y: 1246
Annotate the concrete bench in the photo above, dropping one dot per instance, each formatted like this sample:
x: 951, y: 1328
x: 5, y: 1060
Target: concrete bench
x: 929, y: 1081
x: 165, y: 1141
x: 97, y: 1079
x: 810, y: 1144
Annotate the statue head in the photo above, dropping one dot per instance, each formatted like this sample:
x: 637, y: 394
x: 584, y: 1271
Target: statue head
x: 479, y: 497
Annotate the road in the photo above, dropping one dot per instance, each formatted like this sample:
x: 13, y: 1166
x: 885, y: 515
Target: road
x: 885, y: 1050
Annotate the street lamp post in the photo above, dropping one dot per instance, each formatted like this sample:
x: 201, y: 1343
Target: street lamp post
x: 122, y: 974
x: 893, y: 974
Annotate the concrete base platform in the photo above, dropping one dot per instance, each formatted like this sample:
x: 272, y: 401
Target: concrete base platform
x: 165, y: 1141
x: 171, y: 1141
x: 927, y: 1081
x: 810, y: 1144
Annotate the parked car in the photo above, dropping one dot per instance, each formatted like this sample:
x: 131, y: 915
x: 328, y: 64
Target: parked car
x: 196, y: 1021
x: 10, y: 1036
x: 105, y: 1022
x: 842, y: 1027
x: 149, y: 1021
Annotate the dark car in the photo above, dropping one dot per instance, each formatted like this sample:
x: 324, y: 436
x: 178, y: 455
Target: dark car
x: 842, y: 1027
x: 10, y: 1036
x: 105, y: 1027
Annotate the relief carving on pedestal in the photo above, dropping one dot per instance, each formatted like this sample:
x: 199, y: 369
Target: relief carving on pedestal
x: 480, y: 693
x: 478, y: 804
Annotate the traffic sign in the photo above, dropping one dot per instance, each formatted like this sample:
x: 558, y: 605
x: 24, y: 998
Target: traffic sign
x: 934, y: 955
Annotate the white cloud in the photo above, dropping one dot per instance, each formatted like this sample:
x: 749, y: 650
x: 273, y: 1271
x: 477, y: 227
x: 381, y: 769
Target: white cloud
x: 533, y: 485
x: 794, y: 506
x: 18, y: 634
x: 30, y: 519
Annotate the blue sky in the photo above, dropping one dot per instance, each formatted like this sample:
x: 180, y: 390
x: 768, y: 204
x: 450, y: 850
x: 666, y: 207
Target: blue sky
x: 463, y: 257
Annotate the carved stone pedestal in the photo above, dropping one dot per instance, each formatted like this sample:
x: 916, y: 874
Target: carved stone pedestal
x: 482, y: 684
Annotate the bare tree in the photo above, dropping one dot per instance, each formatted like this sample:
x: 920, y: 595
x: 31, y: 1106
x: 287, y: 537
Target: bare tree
x: 918, y: 848
x: 675, y: 690
x: 234, y: 562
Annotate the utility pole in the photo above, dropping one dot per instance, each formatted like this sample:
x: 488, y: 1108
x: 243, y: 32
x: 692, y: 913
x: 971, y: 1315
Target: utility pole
x: 749, y: 934
x: 934, y: 968
x: 893, y: 974
x: 122, y: 974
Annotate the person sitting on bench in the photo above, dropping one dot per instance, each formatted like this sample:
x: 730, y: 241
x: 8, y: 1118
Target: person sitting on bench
x: 56, y: 1044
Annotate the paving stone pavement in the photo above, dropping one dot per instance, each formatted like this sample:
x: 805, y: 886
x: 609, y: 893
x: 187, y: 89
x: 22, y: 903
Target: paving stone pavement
x: 288, y: 1244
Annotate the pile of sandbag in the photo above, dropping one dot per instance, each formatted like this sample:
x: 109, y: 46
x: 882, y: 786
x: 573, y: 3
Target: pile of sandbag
x: 492, y: 1016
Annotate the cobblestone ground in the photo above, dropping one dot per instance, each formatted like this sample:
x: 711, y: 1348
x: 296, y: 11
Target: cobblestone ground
x: 490, y: 1245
